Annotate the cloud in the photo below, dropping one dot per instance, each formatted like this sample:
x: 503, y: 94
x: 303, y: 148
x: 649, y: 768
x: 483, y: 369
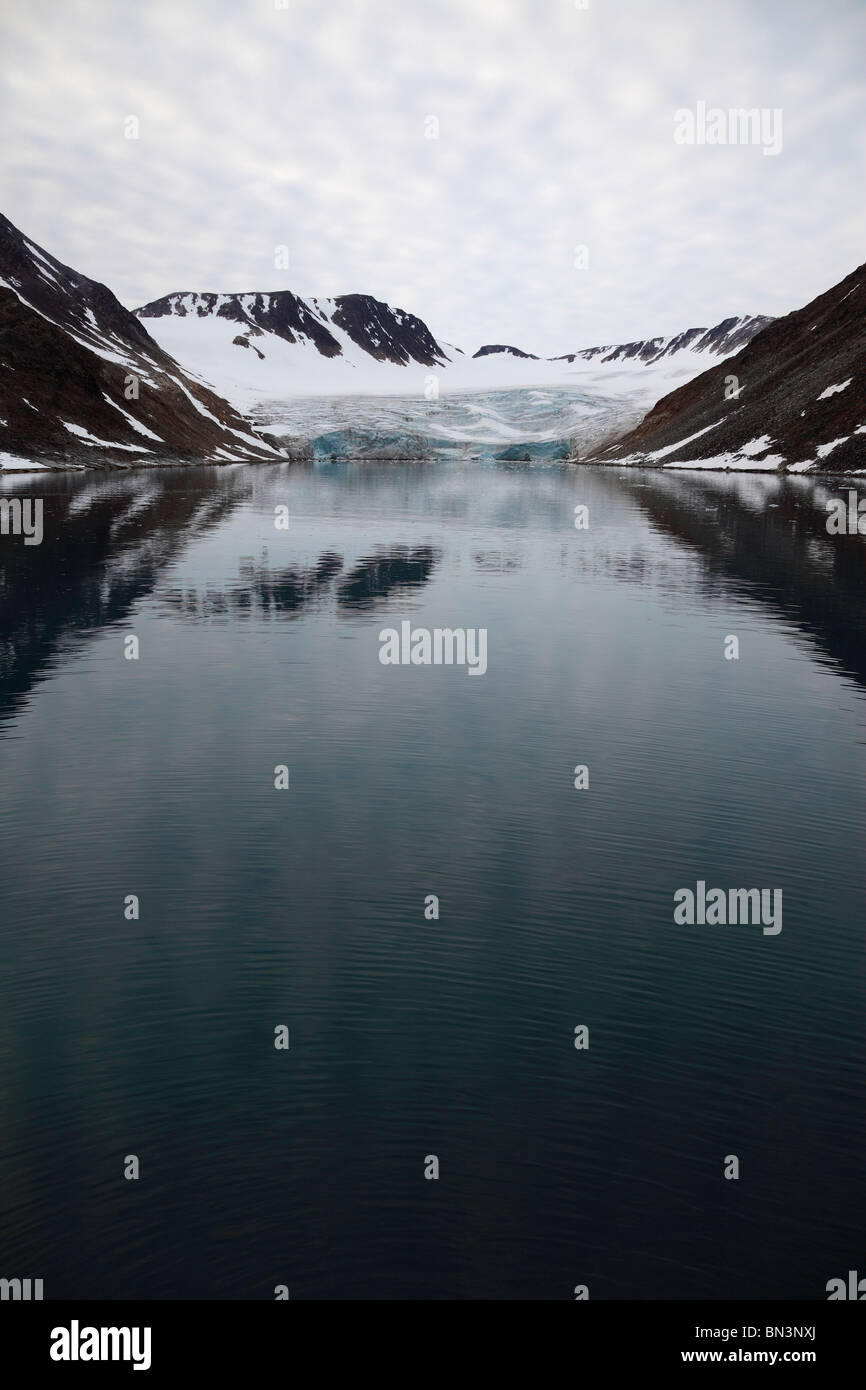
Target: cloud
x: 307, y: 126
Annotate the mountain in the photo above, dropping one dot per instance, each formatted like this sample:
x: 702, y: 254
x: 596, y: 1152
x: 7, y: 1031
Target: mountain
x: 263, y: 347
x: 333, y: 327
x: 81, y: 378
x: 84, y: 380
x: 798, y: 402
x: 490, y: 349
x: 727, y: 337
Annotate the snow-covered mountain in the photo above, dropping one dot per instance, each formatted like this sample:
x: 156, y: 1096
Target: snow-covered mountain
x: 301, y: 342
x: 80, y: 374
x: 794, y: 398
x: 69, y: 352
x: 273, y: 346
x: 727, y: 337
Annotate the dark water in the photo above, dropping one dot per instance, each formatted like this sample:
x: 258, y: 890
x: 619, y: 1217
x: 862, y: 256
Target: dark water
x: 305, y: 907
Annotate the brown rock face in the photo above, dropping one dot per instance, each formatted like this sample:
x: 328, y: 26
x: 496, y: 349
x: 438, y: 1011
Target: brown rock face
x: 76, y: 367
x: 799, y: 396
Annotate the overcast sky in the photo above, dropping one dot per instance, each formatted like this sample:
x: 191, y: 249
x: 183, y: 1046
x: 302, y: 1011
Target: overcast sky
x: 307, y: 126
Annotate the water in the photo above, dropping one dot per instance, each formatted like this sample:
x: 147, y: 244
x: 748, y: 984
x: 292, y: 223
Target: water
x: 305, y: 907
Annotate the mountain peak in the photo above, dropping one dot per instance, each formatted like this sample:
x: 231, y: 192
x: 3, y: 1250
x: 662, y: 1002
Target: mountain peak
x: 491, y: 349
x: 330, y: 326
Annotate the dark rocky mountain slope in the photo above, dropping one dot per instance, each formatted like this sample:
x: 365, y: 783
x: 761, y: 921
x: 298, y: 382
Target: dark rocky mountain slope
x: 81, y: 377
x: 793, y: 398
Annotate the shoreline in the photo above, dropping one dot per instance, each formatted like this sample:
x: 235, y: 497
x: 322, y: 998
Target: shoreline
x: 87, y: 466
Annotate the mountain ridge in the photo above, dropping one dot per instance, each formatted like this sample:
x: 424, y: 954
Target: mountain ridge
x: 793, y: 398
x: 386, y: 334
x: 262, y: 347
x: 80, y: 374
x: 723, y: 338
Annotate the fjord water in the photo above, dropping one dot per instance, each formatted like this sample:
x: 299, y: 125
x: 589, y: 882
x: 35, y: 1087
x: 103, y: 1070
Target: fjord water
x: 305, y: 907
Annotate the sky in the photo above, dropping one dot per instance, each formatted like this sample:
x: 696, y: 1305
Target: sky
x: 447, y: 156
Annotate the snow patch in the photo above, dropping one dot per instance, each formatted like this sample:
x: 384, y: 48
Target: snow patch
x: 757, y: 446
x: 736, y: 460
x: 17, y: 464
x: 681, y: 443
x: 832, y: 390
x: 202, y: 410
x: 824, y: 449
x: 136, y: 424
x: 86, y: 438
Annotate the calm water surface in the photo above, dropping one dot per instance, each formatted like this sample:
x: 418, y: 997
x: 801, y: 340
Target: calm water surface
x: 305, y: 907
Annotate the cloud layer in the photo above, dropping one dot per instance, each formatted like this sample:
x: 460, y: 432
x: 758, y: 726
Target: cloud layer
x: 308, y: 127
